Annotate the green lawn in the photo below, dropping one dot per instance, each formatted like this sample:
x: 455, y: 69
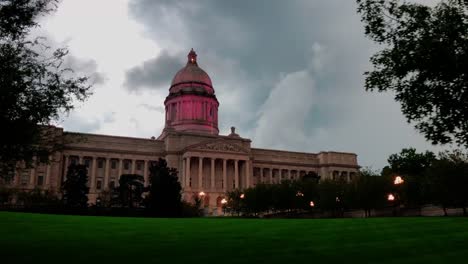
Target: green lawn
x: 35, y: 238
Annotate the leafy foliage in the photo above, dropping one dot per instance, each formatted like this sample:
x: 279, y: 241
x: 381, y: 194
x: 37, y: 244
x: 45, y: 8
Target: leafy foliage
x: 35, y: 86
x: 75, y: 189
x: 413, y: 166
x: 423, y: 61
x: 449, y: 176
x: 164, y: 198
x: 130, y: 190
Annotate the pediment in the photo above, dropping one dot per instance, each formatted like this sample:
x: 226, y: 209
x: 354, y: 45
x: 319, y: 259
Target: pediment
x: 219, y: 145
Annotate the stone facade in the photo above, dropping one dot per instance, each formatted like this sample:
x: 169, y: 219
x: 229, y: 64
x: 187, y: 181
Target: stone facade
x: 206, y: 161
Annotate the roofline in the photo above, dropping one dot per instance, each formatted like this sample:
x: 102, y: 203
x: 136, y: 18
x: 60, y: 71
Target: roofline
x: 308, y: 153
x: 111, y: 136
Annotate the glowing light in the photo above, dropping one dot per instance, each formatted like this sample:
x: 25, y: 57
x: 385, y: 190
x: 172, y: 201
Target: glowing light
x: 398, y: 180
x: 391, y: 197
x: 312, y: 204
x: 223, y: 201
x: 337, y: 199
x: 242, y: 196
x: 202, y: 193
x: 299, y: 194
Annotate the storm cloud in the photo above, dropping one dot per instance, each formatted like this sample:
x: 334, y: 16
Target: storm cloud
x: 154, y: 73
x: 288, y: 74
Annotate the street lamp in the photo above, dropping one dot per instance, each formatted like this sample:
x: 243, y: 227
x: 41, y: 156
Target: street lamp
x: 312, y: 204
x: 391, y: 197
x: 223, y: 205
x: 398, y: 180
x: 202, y: 193
x: 299, y: 194
x: 242, y: 196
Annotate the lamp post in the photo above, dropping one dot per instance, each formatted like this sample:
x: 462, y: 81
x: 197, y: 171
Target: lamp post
x: 398, y: 181
x: 223, y: 205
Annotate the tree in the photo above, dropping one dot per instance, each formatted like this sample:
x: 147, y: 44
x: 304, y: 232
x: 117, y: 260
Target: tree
x: 330, y: 196
x: 75, y: 189
x: 449, y: 178
x: 412, y: 166
x: 423, y: 62
x: 164, y: 197
x: 368, y: 192
x: 35, y: 86
x: 130, y: 190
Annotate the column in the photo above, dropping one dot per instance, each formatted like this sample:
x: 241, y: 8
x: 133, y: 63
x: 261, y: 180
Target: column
x: 47, y: 176
x: 289, y: 174
x: 145, y: 173
x: 133, y: 166
x: 107, y: 173
x: 212, y: 173
x: 236, y: 173
x: 65, y: 171
x: 271, y: 175
x: 93, y: 175
x: 80, y: 159
x: 183, y: 173
x: 32, y: 176
x: 119, y: 172
x: 224, y: 176
x: 200, y: 173
x: 187, y: 173
x: 247, y: 173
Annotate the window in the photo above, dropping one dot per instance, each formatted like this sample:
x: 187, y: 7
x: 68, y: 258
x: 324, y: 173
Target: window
x: 126, y: 165
x: 99, y: 185
x: 100, y: 164
x: 25, y: 177
x: 112, y: 184
x: 40, y: 180
x: 87, y: 162
x: 190, y: 182
x: 138, y: 167
x: 114, y: 164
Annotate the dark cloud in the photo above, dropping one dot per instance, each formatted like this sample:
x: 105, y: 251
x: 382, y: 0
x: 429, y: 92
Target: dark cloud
x: 286, y: 73
x: 154, y: 73
x: 85, y: 67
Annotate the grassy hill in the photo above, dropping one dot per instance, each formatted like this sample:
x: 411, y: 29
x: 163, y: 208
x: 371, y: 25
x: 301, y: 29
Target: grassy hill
x: 36, y: 238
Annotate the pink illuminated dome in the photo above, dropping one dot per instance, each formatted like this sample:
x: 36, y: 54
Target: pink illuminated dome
x: 191, y: 105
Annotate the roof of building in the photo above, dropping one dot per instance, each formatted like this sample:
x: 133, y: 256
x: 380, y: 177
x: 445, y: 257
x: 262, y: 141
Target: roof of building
x: 192, y: 76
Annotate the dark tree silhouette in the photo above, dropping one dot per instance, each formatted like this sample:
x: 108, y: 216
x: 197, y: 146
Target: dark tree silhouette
x: 164, y: 197
x: 75, y: 190
x: 35, y: 86
x: 130, y: 190
x: 423, y: 62
x: 449, y: 180
x: 412, y: 166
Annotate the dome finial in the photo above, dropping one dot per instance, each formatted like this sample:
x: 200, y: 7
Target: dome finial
x: 192, y: 57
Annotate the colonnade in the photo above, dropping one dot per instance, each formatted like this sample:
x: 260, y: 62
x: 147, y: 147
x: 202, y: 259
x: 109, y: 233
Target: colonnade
x: 93, y: 161
x: 241, y: 169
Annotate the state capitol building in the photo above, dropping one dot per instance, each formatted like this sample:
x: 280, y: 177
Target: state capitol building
x: 190, y: 142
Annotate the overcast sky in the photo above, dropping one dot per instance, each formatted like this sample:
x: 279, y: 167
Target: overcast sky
x: 287, y: 74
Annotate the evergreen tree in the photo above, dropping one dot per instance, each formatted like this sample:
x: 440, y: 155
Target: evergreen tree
x: 130, y: 190
x: 164, y: 197
x: 75, y: 189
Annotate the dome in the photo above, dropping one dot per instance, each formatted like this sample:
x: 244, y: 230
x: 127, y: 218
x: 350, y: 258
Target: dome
x: 191, y: 77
